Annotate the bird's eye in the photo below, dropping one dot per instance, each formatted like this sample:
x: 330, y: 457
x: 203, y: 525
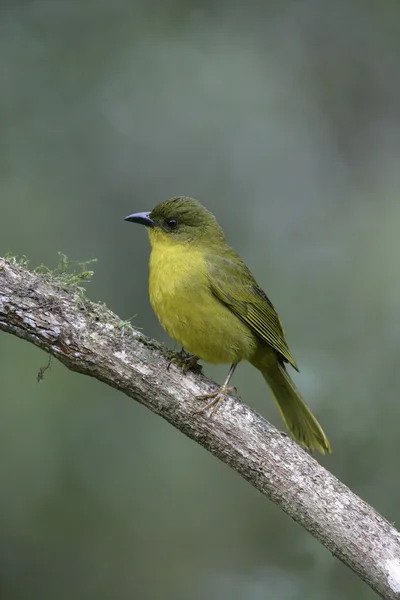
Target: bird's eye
x: 171, y: 223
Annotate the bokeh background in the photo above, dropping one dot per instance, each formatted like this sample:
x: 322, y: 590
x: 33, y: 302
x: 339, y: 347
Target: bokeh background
x: 283, y: 117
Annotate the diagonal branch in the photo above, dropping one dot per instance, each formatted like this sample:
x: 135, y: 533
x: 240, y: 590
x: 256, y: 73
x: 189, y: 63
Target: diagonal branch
x: 87, y: 338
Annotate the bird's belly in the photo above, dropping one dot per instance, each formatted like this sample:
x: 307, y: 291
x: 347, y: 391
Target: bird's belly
x: 190, y: 313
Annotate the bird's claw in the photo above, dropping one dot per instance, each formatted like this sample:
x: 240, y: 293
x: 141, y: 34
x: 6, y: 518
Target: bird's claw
x: 186, y: 360
x: 216, y: 399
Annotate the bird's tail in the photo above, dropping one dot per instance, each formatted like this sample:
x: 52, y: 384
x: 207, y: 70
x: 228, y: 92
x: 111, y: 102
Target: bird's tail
x: 297, y: 416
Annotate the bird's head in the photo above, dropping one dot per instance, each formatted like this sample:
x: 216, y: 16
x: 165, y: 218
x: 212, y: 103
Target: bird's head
x: 179, y: 220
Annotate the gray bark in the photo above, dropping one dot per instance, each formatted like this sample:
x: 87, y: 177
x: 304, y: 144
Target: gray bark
x: 88, y: 338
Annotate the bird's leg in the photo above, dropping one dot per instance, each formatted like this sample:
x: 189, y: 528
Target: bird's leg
x: 219, y: 395
x: 185, y: 359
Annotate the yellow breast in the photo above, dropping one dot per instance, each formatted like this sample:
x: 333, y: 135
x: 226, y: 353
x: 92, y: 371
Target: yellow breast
x: 181, y: 297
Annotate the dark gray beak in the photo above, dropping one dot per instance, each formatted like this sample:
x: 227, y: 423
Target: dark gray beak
x: 143, y: 218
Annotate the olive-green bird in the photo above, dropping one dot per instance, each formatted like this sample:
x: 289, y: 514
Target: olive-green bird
x: 207, y: 300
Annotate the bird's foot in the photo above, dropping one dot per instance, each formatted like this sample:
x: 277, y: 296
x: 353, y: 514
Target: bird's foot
x: 186, y: 360
x: 216, y: 399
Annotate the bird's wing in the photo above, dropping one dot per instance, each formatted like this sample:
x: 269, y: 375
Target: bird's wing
x: 233, y: 284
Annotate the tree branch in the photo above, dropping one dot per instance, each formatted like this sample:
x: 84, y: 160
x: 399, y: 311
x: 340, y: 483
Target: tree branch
x: 88, y: 338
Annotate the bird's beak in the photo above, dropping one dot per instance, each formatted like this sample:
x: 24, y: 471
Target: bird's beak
x: 143, y: 218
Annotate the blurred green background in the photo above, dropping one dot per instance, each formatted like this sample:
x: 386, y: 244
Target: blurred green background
x: 283, y: 119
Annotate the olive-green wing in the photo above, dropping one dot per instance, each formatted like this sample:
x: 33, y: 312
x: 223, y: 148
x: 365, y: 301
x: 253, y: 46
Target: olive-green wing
x: 233, y: 284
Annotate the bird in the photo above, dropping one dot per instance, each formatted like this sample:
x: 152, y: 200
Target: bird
x: 207, y: 300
